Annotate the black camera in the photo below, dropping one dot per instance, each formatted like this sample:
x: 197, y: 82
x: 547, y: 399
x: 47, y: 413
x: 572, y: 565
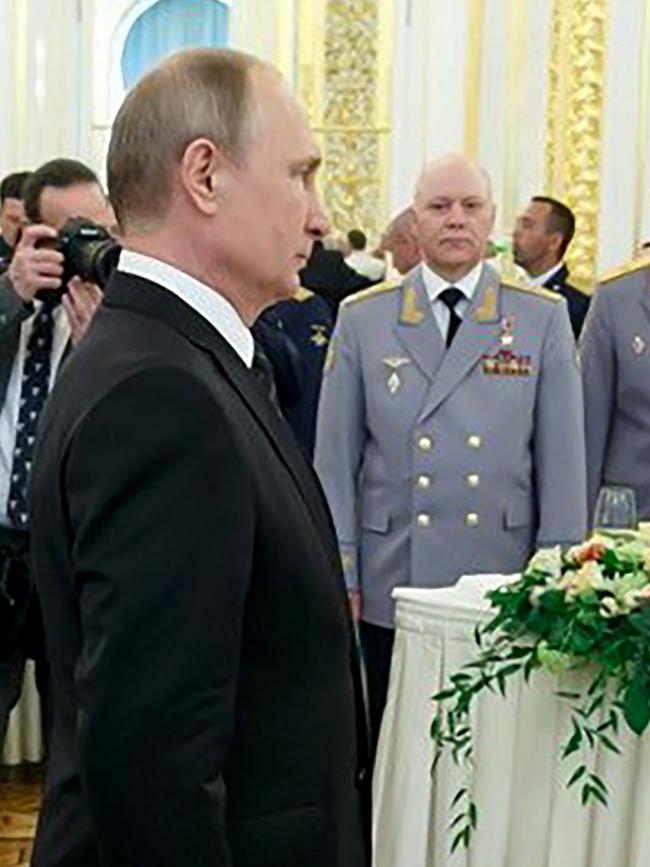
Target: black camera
x: 89, y: 252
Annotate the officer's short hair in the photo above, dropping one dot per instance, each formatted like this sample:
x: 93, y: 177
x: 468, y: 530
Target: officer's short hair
x: 560, y: 220
x: 197, y: 93
x: 357, y: 239
x: 60, y: 173
x: 13, y: 186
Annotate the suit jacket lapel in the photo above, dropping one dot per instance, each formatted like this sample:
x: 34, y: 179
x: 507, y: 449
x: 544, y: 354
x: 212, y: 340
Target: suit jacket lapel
x: 480, y: 328
x: 142, y: 296
x: 416, y: 328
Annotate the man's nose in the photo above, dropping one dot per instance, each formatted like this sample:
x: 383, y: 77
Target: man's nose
x: 456, y: 215
x: 318, y: 224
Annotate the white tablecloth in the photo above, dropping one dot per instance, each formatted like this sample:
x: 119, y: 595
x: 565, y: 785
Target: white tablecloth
x: 526, y: 816
x: 23, y: 742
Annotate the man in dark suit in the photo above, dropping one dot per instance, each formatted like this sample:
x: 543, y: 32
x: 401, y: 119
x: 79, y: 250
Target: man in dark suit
x: 35, y: 336
x: 327, y: 274
x: 194, y: 608
x: 12, y: 214
x: 541, y: 238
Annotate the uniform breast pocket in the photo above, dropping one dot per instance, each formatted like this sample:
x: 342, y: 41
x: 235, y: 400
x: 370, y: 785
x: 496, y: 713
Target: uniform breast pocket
x: 375, y: 514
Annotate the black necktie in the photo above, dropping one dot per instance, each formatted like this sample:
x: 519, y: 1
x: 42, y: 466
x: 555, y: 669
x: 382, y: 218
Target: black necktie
x: 33, y: 394
x: 262, y: 370
x: 450, y: 298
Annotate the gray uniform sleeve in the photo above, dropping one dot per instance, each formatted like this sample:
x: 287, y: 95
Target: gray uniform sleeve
x: 340, y: 438
x: 12, y: 308
x: 559, y: 446
x: 598, y: 379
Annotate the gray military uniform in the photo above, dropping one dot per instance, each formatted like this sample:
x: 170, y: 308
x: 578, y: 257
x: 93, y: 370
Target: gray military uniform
x: 442, y: 462
x: 615, y: 351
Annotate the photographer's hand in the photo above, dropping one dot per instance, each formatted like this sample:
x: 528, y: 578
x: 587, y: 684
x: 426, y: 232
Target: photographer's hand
x: 34, y: 268
x: 81, y: 302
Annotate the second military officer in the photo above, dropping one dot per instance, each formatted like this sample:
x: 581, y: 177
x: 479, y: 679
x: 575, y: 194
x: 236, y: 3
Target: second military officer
x: 450, y: 433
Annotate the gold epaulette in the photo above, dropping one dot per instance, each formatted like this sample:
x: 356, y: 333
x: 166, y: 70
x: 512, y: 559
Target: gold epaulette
x: 302, y: 294
x: 539, y: 291
x: 386, y: 286
x: 620, y: 270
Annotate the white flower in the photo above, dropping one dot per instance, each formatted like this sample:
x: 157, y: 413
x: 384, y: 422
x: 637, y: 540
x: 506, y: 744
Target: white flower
x: 548, y: 560
x: 609, y: 607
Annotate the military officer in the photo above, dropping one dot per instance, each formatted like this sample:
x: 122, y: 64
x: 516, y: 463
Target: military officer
x: 450, y: 430
x: 295, y: 335
x: 541, y: 238
x: 615, y: 351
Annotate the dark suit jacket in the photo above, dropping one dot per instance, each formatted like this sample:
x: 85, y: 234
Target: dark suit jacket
x: 577, y: 301
x: 195, y: 613
x: 328, y: 274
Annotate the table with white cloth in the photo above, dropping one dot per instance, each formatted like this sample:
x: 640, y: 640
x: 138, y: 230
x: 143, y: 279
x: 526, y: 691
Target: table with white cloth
x: 24, y: 741
x: 526, y: 816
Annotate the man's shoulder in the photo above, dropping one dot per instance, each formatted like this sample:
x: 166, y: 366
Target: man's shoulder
x: 381, y: 290
x: 535, y: 295
x: 629, y: 274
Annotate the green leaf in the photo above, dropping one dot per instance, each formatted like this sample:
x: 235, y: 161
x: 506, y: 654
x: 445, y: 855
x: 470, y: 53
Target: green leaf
x: 572, y: 696
x: 473, y: 815
x: 461, y: 837
x: 610, y: 745
x: 636, y: 705
x: 461, y: 817
x: 573, y: 744
x: 580, y: 772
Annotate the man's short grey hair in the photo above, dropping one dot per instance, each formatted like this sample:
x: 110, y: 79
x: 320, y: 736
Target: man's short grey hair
x: 450, y: 158
x: 197, y: 93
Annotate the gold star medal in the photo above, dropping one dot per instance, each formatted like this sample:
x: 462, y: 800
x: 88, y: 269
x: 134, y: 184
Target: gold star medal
x: 507, y: 338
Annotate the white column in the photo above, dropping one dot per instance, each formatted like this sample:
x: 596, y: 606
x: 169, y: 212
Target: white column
x: 45, y: 79
x: 619, y: 178
x: 430, y: 39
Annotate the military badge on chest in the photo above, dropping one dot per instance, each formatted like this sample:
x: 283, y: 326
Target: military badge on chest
x: 639, y: 345
x: 392, y: 364
x: 319, y: 336
x: 507, y: 361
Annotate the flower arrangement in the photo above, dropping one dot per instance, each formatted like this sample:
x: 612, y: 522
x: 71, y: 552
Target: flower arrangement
x: 587, y: 608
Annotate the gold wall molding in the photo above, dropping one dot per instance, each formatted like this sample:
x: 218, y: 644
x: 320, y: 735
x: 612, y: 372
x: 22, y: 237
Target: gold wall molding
x: 344, y: 81
x: 576, y: 79
x: 473, y: 74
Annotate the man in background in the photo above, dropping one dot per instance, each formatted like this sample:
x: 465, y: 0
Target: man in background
x: 195, y: 611
x: 540, y: 240
x: 615, y: 354
x: 12, y: 213
x: 450, y: 431
x: 400, y: 240
x: 35, y: 335
x: 372, y: 267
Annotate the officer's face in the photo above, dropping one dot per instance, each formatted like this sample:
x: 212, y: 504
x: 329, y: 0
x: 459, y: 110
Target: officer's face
x: 454, y: 217
x: 531, y: 240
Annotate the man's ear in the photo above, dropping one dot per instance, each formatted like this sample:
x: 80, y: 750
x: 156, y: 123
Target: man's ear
x: 202, y: 172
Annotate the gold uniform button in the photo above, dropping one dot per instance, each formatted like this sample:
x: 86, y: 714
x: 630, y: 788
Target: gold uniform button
x: 424, y: 520
x: 425, y: 443
x: 474, y: 441
x: 471, y: 519
x: 473, y: 480
x: 423, y: 482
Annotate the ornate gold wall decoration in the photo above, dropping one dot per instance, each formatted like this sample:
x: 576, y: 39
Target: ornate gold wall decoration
x: 344, y: 82
x: 576, y: 80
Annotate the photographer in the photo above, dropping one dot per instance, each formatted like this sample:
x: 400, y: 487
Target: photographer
x: 36, y: 332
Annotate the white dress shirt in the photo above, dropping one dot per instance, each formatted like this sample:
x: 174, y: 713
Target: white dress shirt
x: 543, y: 278
x: 366, y: 265
x: 212, y: 306
x: 10, y: 408
x: 435, y: 285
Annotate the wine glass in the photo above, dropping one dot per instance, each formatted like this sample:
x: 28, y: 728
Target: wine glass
x: 615, y: 513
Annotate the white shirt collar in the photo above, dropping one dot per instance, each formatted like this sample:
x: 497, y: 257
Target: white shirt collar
x: 210, y: 304
x: 543, y: 278
x: 435, y: 284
